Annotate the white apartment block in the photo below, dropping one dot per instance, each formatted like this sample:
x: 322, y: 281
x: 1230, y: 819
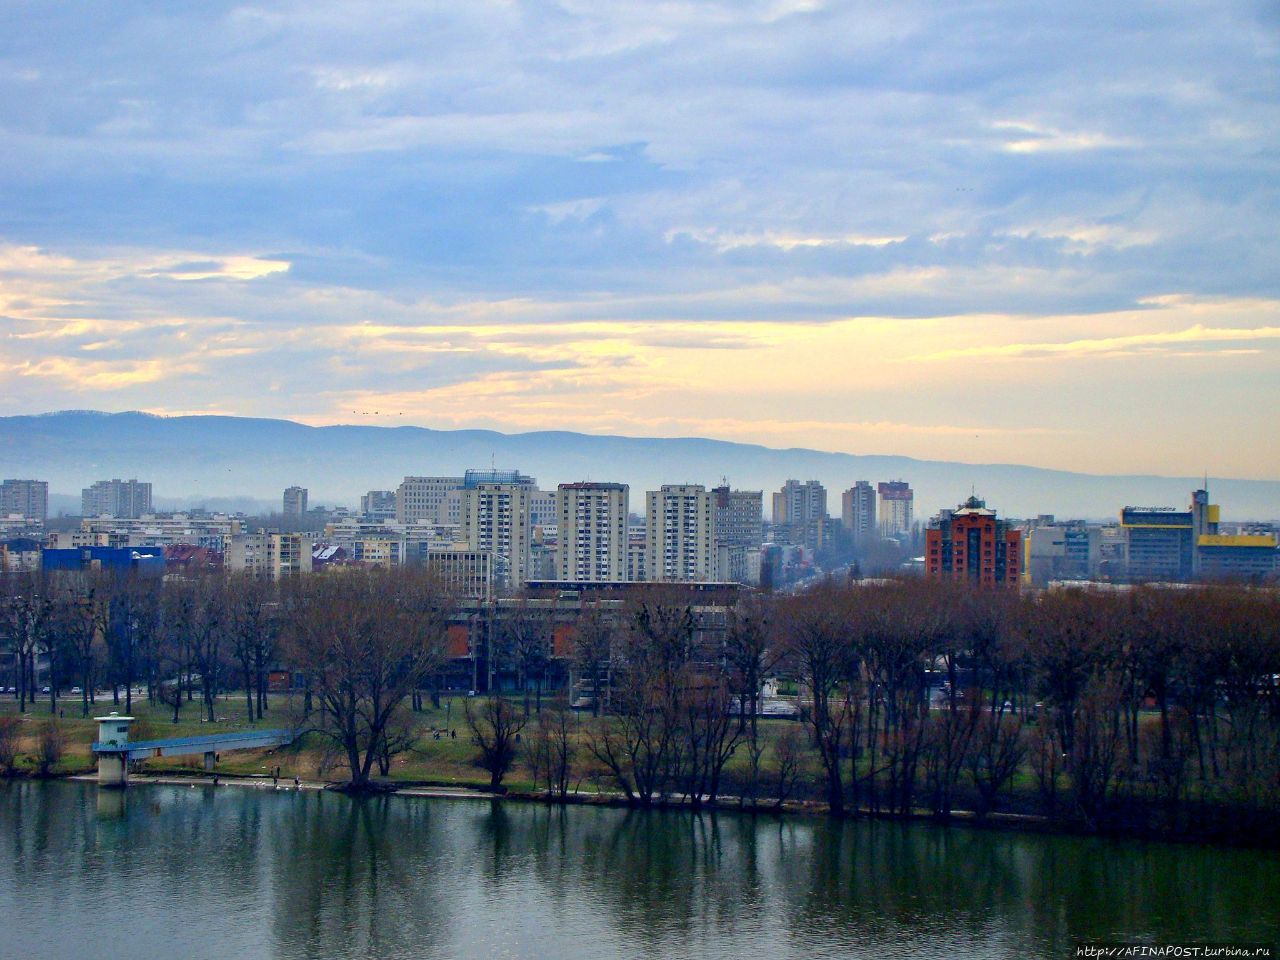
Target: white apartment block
x: 116, y: 498
x: 378, y: 505
x: 495, y: 520
x: 895, y: 506
x: 295, y: 501
x: 420, y: 499
x: 637, y: 553
x: 213, y: 532
x: 680, y: 522
x: 275, y: 555
x: 27, y: 499
x: 739, y: 516
x: 858, y: 512
x: 592, y: 531
x: 800, y: 513
x: 800, y: 503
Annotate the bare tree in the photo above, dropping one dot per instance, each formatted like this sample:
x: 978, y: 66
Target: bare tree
x: 788, y: 754
x: 208, y: 631
x: 27, y: 614
x: 710, y: 733
x: 751, y: 654
x: 816, y: 630
x: 640, y: 743
x: 364, y: 638
x: 996, y: 751
x: 495, y: 728
x: 249, y: 611
x: 552, y: 751
x: 527, y: 639
x: 10, y: 730
x: 130, y: 615
x: 594, y: 637
x: 173, y: 645
x: 50, y: 746
x: 76, y: 628
x: 1093, y: 759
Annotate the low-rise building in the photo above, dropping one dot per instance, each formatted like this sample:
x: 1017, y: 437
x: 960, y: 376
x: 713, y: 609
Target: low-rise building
x: 275, y: 555
x: 1239, y: 556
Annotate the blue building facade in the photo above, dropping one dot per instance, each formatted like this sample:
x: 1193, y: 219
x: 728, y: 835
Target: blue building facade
x: 148, y: 561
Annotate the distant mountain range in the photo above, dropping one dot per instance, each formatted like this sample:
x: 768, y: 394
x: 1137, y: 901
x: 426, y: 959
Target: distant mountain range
x: 233, y: 462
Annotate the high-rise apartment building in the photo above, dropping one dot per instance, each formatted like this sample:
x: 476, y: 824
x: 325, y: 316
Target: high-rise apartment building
x: 638, y: 553
x: 895, y: 508
x: 592, y: 528
x: 495, y: 519
x: 858, y: 513
x: 800, y: 513
x: 295, y: 501
x: 378, y: 505
x: 127, y: 499
x: 739, y: 516
x: 681, y: 533
x: 972, y: 544
x: 28, y: 499
x: 420, y: 499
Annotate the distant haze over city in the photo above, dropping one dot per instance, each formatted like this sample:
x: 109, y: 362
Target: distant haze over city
x: 205, y: 459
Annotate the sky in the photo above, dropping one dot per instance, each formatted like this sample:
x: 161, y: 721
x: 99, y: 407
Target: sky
x: 1031, y: 232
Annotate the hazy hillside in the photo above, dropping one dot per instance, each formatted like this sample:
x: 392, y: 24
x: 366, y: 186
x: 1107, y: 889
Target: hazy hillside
x: 203, y: 459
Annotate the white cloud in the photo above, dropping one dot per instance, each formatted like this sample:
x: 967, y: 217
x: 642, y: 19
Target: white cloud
x: 1034, y: 138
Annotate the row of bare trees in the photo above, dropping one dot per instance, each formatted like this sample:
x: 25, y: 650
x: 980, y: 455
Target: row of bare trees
x: 912, y: 694
x: 104, y: 630
x: 915, y: 690
x: 917, y: 694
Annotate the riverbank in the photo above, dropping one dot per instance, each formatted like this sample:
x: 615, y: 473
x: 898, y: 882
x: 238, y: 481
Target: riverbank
x: 440, y: 760
x: 963, y: 819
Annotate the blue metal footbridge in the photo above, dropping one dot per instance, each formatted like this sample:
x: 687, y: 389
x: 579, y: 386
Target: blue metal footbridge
x: 114, y: 750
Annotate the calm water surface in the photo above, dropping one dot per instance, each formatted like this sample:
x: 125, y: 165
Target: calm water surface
x: 246, y: 873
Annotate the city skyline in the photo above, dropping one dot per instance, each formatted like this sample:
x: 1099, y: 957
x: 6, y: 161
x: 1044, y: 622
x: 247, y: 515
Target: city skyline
x: 1024, y: 234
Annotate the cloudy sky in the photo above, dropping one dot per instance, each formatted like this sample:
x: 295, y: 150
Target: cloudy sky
x: 1035, y: 232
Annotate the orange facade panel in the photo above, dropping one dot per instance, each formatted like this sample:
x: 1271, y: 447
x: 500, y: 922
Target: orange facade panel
x: 562, y: 640
x: 456, y: 641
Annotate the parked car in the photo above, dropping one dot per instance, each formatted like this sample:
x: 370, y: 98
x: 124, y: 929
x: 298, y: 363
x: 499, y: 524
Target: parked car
x: 76, y: 690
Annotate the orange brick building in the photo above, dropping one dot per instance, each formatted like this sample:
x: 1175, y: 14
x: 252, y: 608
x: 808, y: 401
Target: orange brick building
x: 972, y: 544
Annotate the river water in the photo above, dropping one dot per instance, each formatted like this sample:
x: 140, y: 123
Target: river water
x: 176, y: 872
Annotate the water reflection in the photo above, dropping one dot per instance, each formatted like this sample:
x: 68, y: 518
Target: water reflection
x: 262, y: 873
